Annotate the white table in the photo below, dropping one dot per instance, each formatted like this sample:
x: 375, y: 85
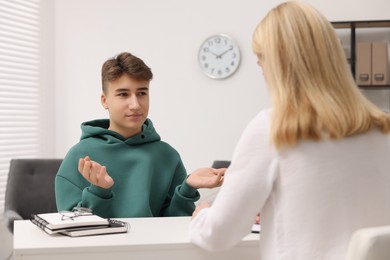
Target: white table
x: 147, y: 239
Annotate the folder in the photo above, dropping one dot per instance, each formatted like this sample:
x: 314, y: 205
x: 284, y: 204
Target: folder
x: 380, y: 64
x: 363, y: 63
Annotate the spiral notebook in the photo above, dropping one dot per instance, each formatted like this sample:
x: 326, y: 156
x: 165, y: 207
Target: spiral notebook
x: 256, y: 228
x: 115, y: 226
x: 86, y: 225
x: 55, y: 222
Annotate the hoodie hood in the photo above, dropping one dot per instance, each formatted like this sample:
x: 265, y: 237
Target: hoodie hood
x: 99, y: 128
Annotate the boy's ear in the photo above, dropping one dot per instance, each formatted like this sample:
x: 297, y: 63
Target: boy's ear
x: 103, y: 100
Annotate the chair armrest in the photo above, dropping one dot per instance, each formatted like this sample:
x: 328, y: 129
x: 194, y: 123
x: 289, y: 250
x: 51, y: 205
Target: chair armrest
x: 9, y: 217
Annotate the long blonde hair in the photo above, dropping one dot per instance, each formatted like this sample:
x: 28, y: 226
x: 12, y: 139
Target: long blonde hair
x: 311, y: 86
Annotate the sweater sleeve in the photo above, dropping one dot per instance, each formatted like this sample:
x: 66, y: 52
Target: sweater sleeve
x: 247, y: 185
x: 71, y: 189
x: 181, y: 198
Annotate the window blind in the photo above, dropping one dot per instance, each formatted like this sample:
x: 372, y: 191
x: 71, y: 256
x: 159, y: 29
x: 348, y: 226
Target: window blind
x: 19, y: 84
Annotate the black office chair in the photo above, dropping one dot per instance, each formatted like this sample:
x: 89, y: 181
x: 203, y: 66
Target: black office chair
x: 30, y: 189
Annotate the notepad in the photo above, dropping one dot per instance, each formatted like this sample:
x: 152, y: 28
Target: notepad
x: 55, y: 221
x: 115, y: 226
x: 256, y: 228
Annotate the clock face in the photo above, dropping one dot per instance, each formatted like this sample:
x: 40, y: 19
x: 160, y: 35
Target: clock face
x: 219, y: 56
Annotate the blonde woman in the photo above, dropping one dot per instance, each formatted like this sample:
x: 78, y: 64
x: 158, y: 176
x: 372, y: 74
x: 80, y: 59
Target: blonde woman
x: 317, y: 164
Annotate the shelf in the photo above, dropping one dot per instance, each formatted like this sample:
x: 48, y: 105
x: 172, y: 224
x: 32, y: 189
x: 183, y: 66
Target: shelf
x: 353, y: 25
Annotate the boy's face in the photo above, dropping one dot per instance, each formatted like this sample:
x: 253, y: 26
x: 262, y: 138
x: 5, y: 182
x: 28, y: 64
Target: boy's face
x: 127, y: 101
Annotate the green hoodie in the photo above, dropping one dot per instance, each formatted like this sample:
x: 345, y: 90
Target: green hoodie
x: 149, y: 176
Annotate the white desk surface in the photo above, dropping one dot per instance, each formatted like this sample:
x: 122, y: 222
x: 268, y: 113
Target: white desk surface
x: 148, y: 238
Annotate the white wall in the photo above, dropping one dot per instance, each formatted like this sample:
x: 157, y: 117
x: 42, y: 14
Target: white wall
x: 47, y: 76
x: 202, y: 118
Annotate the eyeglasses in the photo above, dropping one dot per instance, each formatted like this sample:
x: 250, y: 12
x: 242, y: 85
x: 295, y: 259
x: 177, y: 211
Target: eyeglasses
x: 76, y: 212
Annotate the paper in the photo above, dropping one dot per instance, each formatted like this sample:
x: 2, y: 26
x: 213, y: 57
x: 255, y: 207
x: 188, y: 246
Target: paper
x: 256, y: 228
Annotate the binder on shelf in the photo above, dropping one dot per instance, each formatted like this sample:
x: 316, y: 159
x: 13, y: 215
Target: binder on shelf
x: 380, y: 64
x: 363, y: 63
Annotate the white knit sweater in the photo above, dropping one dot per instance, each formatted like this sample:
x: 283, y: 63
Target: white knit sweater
x: 311, y: 197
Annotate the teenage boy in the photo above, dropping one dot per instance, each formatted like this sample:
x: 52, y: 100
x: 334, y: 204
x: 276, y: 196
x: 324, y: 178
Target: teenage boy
x: 121, y: 168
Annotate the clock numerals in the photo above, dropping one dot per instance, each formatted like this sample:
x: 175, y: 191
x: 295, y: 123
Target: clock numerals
x: 219, y: 70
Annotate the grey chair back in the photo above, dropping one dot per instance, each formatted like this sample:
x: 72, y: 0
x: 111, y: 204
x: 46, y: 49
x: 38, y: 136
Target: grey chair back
x: 30, y: 188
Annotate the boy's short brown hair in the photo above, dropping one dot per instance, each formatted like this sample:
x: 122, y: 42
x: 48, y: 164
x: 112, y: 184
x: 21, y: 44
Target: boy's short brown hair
x: 125, y: 63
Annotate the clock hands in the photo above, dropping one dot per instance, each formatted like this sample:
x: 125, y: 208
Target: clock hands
x: 219, y: 56
x: 223, y: 53
x: 216, y: 55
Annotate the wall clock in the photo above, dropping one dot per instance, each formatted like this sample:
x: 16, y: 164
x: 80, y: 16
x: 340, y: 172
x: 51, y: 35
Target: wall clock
x: 219, y: 56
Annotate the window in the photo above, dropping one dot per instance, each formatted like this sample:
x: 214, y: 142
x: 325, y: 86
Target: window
x: 20, y: 79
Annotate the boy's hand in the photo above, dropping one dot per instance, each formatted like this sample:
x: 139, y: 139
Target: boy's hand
x: 95, y: 173
x: 206, y: 178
